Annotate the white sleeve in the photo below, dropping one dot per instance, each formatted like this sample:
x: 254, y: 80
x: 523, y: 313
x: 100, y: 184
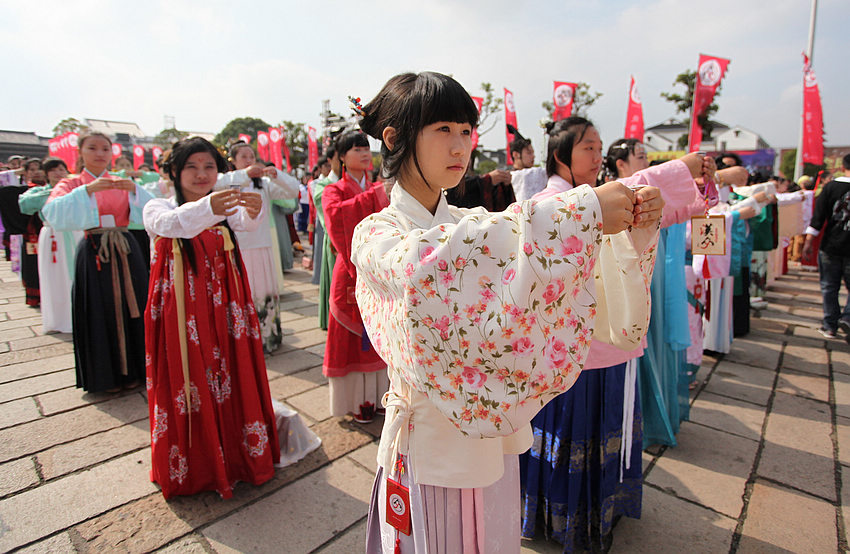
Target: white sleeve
x: 238, y: 178
x: 162, y: 218
x: 282, y: 185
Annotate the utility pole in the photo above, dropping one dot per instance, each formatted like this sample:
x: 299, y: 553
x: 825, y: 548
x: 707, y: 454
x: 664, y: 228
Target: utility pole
x: 798, y: 164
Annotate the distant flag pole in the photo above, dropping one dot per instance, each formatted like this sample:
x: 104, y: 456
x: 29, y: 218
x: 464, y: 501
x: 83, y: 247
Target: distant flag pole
x: 798, y: 164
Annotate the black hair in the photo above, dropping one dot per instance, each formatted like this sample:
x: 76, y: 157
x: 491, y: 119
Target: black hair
x: 563, y: 135
x: 50, y: 163
x: 620, y: 150
x: 408, y: 102
x: 180, y: 153
x: 519, y: 144
x: 322, y: 161
x: 26, y: 163
x: 845, y: 162
x: 719, y: 160
x: 347, y: 141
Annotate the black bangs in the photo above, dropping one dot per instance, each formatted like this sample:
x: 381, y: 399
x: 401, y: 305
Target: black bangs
x: 180, y: 155
x: 349, y: 140
x: 443, y: 99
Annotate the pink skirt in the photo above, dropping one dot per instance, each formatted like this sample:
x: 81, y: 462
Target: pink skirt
x: 448, y: 520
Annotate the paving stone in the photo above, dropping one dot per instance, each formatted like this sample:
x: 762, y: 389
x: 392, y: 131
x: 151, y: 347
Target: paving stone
x: 37, y: 385
x: 353, y: 540
x: 72, y: 397
x: 36, y: 354
x: 728, y: 414
x: 741, y: 381
x: 306, y: 338
x: 292, y: 362
x: 367, y: 456
x: 318, y: 350
x: 841, y: 383
x: 35, y: 342
x: 17, y: 475
x: 804, y: 385
x: 314, y: 403
x: 755, y: 352
x: 809, y: 359
x: 94, y: 449
x: 842, y: 427
x: 291, y: 316
x: 35, y: 367
x: 336, y: 496
x: 41, y: 434
x: 308, y: 311
x: 127, y: 479
x: 4, y: 347
x: 19, y: 333
x: 290, y: 385
x: 807, y: 331
x: 840, y: 361
x: 686, y: 527
x: 294, y: 305
x: 56, y: 543
x: 17, y: 412
x: 187, y: 545
x: 21, y: 311
x: 767, y: 326
x: 784, y: 520
x: 298, y: 325
x: 708, y: 467
x: 798, y: 448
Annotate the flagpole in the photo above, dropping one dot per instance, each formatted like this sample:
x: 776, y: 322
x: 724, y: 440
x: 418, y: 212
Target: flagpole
x: 798, y: 164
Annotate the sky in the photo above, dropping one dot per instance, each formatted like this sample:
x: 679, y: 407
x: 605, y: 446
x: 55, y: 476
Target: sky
x: 207, y: 62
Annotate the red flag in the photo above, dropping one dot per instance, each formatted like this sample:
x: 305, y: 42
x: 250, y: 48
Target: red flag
x: 812, y: 116
x: 138, y: 156
x: 156, y: 151
x: 263, y: 145
x: 63, y: 147
x: 479, y: 102
x: 245, y: 138
x: 73, y: 151
x: 275, y: 148
x: 710, y: 73
x: 510, y: 119
x: 53, y: 146
x: 285, y: 148
x: 312, y: 149
x: 634, y: 115
x: 116, y: 152
x: 562, y: 96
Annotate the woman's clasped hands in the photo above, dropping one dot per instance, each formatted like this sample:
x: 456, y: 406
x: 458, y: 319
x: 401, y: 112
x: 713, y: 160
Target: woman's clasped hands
x: 623, y: 208
x: 226, y: 202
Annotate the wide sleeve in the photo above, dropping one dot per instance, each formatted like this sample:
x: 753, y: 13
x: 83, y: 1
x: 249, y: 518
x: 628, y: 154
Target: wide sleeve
x: 342, y: 216
x: 318, y: 194
x: 490, y: 317
x: 681, y: 195
x: 238, y: 178
x: 71, y: 209
x: 33, y: 200
x: 282, y: 186
x: 162, y: 218
x: 137, y: 200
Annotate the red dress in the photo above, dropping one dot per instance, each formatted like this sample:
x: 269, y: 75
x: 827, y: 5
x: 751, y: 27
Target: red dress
x: 223, y: 430
x: 348, y: 348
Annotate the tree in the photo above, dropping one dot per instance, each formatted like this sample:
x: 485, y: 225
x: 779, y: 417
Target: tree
x: 684, y: 103
x: 240, y: 125
x: 789, y: 161
x: 69, y: 124
x: 167, y: 137
x: 296, y: 141
x: 491, y: 107
x: 583, y: 99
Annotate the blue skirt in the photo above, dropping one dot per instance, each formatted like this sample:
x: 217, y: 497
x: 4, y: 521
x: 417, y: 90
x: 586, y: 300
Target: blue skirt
x: 570, y: 477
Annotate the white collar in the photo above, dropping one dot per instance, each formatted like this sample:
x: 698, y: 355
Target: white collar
x: 419, y: 214
x: 559, y: 183
x: 93, y: 175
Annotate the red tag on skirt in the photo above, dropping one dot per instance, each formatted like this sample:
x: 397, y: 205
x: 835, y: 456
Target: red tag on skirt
x: 398, y: 506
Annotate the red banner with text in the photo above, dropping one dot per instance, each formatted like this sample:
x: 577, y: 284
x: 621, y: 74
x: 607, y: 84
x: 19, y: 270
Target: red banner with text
x: 634, y: 115
x: 312, y: 148
x: 812, y: 116
x: 479, y: 102
x: 562, y: 98
x: 510, y: 119
x: 263, y: 145
x: 138, y: 156
x: 156, y: 152
x: 116, y: 152
x: 710, y: 73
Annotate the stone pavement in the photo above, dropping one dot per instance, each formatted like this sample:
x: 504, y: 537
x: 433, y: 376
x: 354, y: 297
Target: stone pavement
x: 758, y: 468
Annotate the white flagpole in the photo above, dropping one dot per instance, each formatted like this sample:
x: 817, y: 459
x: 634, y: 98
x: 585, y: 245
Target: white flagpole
x: 798, y: 165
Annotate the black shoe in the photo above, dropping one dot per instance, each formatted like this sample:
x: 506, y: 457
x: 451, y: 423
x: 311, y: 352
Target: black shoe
x: 828, y: 333
x: 844, y: 326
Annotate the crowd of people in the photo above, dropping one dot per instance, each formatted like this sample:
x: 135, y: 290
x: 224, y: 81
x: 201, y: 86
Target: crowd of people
x: 524, y: 334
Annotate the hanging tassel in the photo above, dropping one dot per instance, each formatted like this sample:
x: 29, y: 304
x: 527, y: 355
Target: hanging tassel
x: 53, y: 247
x: 397, y: 544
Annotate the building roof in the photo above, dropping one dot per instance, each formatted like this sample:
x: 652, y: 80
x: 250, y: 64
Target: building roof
x: 21, y: 137
x: 108, y: 127
x: 675, y: 125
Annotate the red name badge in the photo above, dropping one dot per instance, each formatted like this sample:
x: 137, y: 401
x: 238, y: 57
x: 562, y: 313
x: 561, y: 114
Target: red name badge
x: 398, y: 506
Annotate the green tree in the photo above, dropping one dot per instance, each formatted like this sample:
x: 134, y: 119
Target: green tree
x: 490, y: 109
x: 167, y: 137
x: 243, y: 125
x: 789, y: 161
x: 583, y: 99
x: 684, y: 103
x: 296, y: 141
x: 69, y: 124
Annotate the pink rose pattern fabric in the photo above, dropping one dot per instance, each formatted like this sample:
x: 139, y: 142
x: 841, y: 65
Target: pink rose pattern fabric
x: 491, y: 316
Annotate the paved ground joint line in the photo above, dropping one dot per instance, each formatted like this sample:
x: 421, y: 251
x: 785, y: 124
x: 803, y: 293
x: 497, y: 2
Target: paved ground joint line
x: 833, y: 435
x: 333, y: 539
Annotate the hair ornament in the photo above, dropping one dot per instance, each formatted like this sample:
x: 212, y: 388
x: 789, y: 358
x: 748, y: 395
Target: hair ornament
x: 356, y: 106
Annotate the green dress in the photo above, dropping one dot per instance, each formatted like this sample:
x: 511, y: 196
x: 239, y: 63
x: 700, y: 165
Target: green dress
x: 328, y: 253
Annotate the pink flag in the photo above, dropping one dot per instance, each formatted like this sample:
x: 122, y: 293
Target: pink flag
x: 812, y: 116
x: 634, y: 115
x: 285, y: 148
x: 138, y: 156
x: 709, y: 74
x: 116, y: 152
x: 312, y: 149
x: 479, y: 102
x: 263, y: 145
x: 156, y: 151
x: 73, y: 151
x: 562, y: 97
x: 245, y: 138
x: 275, y: 147
x: 510, y: 119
